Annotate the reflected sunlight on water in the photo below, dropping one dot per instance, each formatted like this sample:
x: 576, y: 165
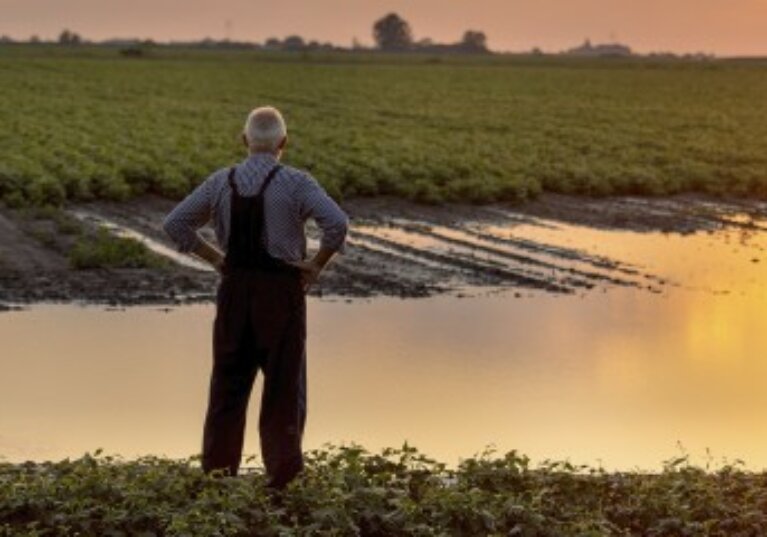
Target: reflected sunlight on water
x: 619, y: 376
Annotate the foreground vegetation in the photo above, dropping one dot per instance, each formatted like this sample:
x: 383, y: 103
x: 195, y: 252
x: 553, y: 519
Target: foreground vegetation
x: 348, y: 491
x: 77, y: 124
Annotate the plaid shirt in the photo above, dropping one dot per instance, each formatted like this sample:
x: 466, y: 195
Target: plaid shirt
x: 292, y: 198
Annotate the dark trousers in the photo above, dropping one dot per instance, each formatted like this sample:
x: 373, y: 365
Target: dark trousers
x: 260, y: 324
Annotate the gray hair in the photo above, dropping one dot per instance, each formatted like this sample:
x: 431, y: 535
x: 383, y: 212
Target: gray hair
x: 265, y: 129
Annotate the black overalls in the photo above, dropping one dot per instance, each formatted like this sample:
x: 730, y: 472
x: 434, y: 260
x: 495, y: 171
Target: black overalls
x: 260, y: 323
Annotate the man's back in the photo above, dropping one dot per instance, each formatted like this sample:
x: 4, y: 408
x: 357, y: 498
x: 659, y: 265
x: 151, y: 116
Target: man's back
x: 292, y: 198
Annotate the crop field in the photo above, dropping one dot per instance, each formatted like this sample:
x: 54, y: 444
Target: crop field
x: 86, y: 124
x: 400, y: 492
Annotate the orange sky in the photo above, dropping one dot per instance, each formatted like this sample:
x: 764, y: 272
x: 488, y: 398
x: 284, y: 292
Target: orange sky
x: 730, y: 27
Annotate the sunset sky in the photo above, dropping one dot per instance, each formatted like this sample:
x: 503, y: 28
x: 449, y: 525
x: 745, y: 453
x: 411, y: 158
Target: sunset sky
x: 732, y: 27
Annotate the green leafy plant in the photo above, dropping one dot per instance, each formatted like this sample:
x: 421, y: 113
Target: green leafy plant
x: 104, y: 250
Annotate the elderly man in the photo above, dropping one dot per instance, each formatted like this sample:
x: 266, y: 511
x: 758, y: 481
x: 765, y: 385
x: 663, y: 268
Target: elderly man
x: 259, y: 208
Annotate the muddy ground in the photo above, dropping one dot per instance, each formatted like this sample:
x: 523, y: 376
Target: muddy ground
x: 395, y: 248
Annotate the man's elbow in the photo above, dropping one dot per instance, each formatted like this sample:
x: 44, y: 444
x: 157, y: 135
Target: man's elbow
x: 338, y: 234
x: 344, y: 227
x: 168, y: 225
x: 175, y: 232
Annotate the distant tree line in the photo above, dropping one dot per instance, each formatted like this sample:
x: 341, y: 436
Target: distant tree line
x: 296, y: 43
x: 66, y: 37
x: 391, y: 33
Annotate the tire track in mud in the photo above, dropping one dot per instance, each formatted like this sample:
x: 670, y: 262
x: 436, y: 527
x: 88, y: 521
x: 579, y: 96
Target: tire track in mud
x: 493, y: 274
x: 523, y: 259
x: 556, y: 251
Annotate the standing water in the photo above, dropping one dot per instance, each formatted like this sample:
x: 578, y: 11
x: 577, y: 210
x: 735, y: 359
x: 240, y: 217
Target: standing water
x: 623, y: 376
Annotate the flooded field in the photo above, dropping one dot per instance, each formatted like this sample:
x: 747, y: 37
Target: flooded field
x: 623, y: 346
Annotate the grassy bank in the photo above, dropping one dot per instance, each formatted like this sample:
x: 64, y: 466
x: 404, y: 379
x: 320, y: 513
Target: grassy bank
x: 86, y: 246
x: 87, y: 123
x: 348, y: 491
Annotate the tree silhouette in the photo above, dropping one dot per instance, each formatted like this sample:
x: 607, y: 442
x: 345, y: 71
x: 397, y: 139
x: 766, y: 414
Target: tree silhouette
x: 392, y: 32
x: 294, y: 42
x: 474, y: 41
x: 69, y: 38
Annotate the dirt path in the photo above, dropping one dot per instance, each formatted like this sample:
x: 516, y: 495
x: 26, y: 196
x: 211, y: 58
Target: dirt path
x: 395, y: 248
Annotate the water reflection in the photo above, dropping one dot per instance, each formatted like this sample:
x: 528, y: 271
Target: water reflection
x: 619, y: 377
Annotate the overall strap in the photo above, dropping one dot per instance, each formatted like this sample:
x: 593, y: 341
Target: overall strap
x: 232, y: 184
x: 268, y: 179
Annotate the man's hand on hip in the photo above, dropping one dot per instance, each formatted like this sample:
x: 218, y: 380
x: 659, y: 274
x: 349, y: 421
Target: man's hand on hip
x: 310, y: 270
x: 310, y: 273
x: 209, y: 253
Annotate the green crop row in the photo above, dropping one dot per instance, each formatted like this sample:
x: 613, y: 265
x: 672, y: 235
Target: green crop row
x: 79, y: 127
x: 400, y: 492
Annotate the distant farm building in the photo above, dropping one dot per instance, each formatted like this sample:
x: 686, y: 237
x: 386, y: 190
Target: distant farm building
x: 597, y: 51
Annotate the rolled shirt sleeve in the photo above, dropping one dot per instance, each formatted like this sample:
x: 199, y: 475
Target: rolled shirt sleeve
x: 189, y: 215
x: 314, y: 202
